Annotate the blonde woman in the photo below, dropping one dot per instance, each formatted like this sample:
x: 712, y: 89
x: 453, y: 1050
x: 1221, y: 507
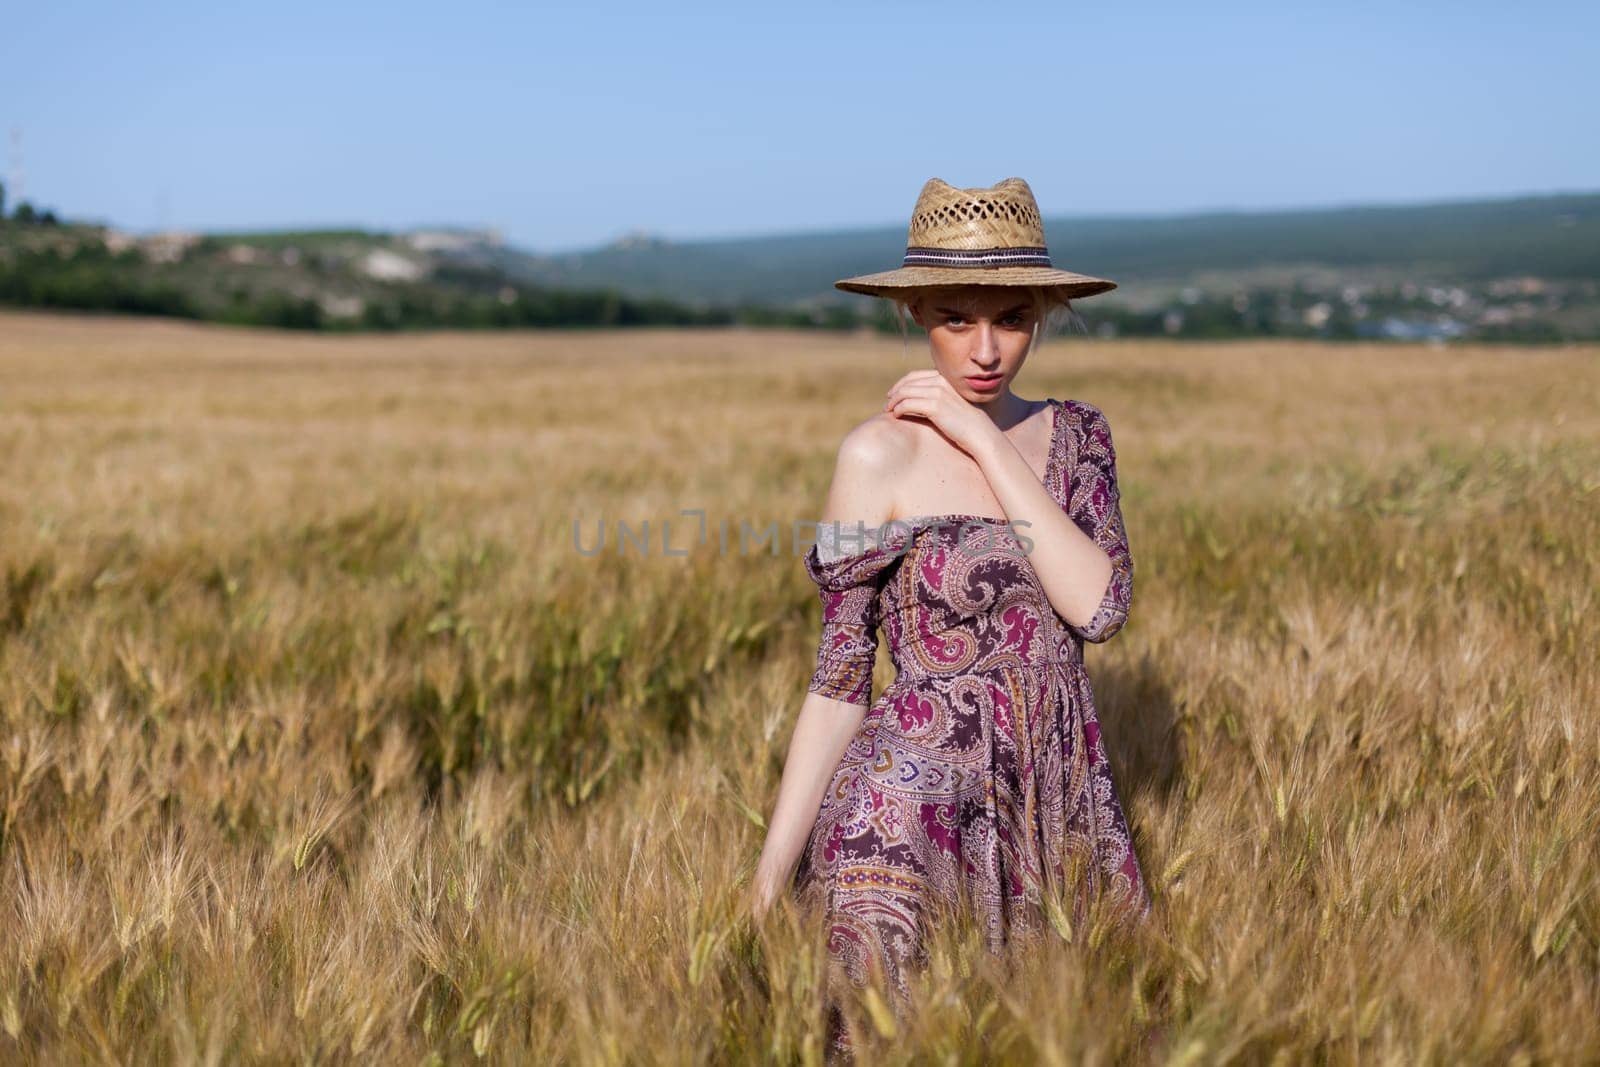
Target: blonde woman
x: 982, y: 533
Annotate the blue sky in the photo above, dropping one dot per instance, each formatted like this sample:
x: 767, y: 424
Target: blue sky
x: 569, y: 126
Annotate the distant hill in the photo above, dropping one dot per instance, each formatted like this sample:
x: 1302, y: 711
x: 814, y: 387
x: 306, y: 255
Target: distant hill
x: 1551, y: 237
x: 1517, y: 270
x: 315, y: 280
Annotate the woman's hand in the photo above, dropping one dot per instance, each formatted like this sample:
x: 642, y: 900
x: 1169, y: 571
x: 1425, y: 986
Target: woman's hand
x: 928, y: 394
x: 760, y: 895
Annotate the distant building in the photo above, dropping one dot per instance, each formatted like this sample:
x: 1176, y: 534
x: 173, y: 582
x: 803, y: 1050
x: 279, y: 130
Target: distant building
x: 453, y: 240
x: 1517, y: 287
x: 167, y: 247
x: 342, y: 307
x: 639, y: 239
x: 1395, y: 328
x: 390, y: 266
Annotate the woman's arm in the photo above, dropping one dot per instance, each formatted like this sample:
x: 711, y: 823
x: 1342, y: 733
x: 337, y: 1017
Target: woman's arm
x: 861, y: 492
x: 1081, y: 553
x: 1095, y: 504
x: 821, y: 735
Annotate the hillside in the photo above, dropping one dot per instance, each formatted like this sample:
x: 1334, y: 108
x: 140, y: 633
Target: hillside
x: 1523, y: 269
x: 336, y: 279
x: 1553, y: 237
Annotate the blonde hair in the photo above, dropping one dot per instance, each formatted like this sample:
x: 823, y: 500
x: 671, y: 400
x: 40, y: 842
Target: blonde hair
x: 1050, y: 313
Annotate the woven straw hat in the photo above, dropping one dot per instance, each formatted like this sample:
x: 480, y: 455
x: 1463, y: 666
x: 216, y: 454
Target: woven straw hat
x: 987, y: 236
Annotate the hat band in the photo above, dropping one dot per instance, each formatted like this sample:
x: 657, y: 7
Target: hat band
x: 976, y: 257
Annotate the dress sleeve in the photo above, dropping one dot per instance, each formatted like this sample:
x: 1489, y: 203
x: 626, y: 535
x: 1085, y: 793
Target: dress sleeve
x: 849, y: 586
x: 1097, y: 509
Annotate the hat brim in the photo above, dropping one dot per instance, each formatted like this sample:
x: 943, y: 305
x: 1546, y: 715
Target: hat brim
x: 896, y: 282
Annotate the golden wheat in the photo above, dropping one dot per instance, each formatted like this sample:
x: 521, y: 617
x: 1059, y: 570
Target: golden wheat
x: 322, y: 741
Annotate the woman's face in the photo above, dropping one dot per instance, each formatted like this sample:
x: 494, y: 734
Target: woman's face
x: 979, y: 336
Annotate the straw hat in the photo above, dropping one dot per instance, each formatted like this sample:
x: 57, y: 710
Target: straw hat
x: 987, y: 236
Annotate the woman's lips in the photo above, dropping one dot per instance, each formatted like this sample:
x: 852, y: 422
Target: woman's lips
x: 985, y: 383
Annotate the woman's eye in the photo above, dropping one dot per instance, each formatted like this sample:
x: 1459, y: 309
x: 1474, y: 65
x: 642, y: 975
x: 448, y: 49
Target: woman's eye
x: 953, y: 320
x: 1012, y: 320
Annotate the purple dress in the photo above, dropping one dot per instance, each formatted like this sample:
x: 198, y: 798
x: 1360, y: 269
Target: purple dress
x: 977, y: 782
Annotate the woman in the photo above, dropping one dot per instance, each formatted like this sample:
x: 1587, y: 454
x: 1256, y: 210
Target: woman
x: 983, y: 533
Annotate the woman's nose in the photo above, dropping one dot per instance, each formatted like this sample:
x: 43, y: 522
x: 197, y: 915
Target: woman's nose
x: 988, y: 348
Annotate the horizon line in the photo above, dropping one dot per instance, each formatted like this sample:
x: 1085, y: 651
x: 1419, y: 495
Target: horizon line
x: 819, y: 230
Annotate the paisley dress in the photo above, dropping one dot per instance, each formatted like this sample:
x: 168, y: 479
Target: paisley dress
x: 977, y: 782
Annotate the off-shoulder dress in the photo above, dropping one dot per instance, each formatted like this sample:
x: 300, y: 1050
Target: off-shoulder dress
x: 978, y: 782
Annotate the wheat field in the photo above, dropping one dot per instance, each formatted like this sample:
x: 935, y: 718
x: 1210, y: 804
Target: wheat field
x: 323, y: 742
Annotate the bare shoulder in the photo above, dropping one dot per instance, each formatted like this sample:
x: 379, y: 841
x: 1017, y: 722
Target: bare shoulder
x: 872, y: 457
x: 882, y: 442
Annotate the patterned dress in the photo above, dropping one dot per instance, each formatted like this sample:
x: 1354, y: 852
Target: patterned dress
x: 977, y: 782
